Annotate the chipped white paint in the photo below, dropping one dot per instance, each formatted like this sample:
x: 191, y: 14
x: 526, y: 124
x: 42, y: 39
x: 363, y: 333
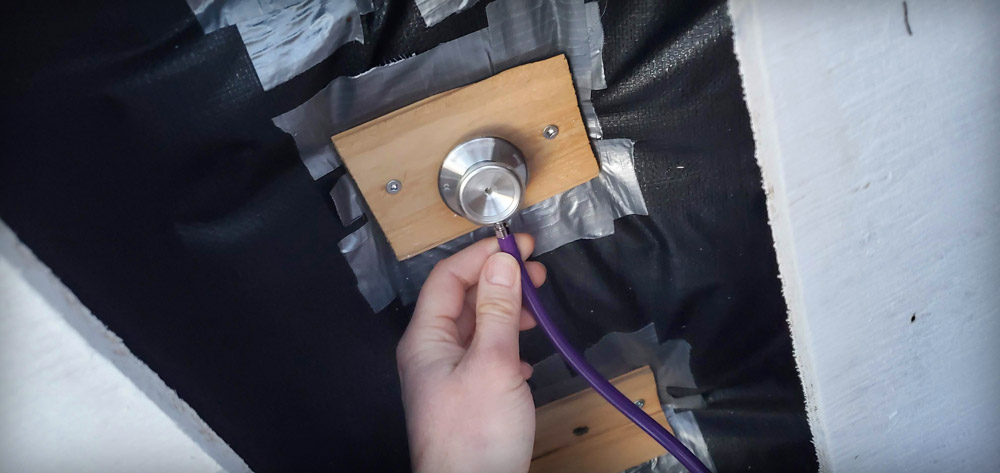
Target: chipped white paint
x: 72, y: 396
x: 880, y: 151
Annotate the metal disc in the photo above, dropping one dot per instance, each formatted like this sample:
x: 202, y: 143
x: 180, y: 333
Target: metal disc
x: 483, y: 180
x: 489, y: 193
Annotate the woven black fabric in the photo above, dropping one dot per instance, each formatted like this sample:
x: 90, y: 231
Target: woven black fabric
x: 701, y: 265
x: 142, y: 166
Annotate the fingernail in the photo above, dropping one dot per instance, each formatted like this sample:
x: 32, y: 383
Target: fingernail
x: 501, y: 269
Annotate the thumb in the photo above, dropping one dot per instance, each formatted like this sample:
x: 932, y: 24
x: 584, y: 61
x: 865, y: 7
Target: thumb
x: 498, y: 313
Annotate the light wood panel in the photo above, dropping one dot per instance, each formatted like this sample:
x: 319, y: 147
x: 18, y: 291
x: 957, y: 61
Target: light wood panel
x: 612, y: 443
x: 411, y: 143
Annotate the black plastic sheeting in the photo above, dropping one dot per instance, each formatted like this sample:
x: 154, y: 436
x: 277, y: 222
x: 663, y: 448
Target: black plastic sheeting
x: 141, y: 164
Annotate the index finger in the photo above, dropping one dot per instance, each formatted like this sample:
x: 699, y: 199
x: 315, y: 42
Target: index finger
x: 443, y: 294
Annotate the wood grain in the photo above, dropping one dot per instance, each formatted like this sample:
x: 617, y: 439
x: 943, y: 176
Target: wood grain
x: 612, y: 443
x: 410, y: 144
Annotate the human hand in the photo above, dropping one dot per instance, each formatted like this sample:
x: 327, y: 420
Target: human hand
x: 468, y: 407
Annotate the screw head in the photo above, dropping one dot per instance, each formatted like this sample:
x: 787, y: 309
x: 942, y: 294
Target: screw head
x: 550, y: 132
x: 640, y: 403
x: 393, y: 186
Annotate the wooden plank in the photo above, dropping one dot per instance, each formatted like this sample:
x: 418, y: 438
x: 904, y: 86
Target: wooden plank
x: 883, y: 197
x: 610, y: 440
x: 410, y: 144
x: 554, y: 422
x: 609, y: 452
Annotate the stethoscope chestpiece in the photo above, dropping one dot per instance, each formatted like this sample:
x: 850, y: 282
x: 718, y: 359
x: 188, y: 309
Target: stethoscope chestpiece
x: 483, y: 180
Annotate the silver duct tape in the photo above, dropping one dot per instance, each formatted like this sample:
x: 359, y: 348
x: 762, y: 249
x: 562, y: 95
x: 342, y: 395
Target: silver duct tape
x: 285, y: 43
x: 523, y: 30
x: 519, y: 31
x: 349, y: 101
x: 509, y: 40
x: 215, y: 14
x: 365, y: 6
x: 616, y: 354
x: 577, y: 214
x: 596, y: 34
x: 285, y: 37
x: 373, y: 267
x: 687, y: 431
x: 618, y: 177
x: 433, y: 11
x: 593, y: 125
x: 347, y: 200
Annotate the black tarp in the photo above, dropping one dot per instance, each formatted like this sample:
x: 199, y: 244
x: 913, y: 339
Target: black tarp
x: 140, y: 163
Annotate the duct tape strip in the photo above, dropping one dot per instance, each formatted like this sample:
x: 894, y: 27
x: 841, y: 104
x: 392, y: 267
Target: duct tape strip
x: 523, y: 30
x: 619, y: 179
x: 618, y: 353
x: 345, y: 198
x: 433, y: 11
x: 519, y: 31
x: 596, y: 33
x: 509, y: 40
x: 377, y: 279
x: 350, y: 101
x: 365, y: 6
x: 285, y: 43
x: 216, y: 14
x: 687, y: 431
x: 285, y: 37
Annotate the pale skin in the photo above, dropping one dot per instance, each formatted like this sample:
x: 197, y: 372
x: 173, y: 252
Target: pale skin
x: 468, y: 405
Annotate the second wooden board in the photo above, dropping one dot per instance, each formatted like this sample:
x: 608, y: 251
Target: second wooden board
x: 410, y: 144
x: 583, y: 433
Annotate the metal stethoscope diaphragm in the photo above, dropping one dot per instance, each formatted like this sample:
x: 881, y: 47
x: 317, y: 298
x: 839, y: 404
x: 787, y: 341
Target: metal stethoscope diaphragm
x: 483, y: 180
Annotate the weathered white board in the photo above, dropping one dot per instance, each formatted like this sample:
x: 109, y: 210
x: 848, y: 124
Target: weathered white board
x: 878, y: 133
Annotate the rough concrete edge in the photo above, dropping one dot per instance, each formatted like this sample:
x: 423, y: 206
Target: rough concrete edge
x: 112, y: 348
x: 747, y: 43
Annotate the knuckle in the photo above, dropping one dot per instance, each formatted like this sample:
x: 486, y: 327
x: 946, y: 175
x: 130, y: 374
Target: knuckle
x: 497, y: 309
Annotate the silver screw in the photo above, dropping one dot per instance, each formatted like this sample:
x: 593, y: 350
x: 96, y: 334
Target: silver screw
x: 640, y: 403
x: 550, y: 132
x: 393, y: 186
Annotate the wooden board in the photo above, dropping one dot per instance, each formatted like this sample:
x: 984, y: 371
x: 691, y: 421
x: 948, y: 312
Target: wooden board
x: 410, y: 144
x: 610, y: 452
x: 611, y: 444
